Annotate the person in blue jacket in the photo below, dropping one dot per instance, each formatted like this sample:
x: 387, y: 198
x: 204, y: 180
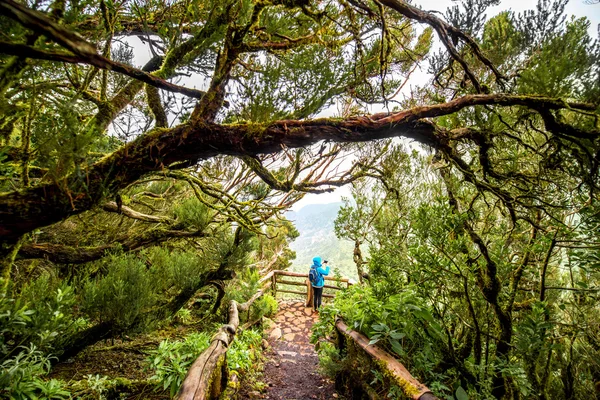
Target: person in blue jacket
x: 317, y: 285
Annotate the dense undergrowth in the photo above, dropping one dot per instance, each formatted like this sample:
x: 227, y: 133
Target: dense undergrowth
x: 172, y: 359
x: 38, y: 323
x: 474, y: 304
x: 401, y: 324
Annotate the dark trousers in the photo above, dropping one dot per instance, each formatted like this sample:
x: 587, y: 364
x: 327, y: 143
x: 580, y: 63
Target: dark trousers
x: 317, y: 295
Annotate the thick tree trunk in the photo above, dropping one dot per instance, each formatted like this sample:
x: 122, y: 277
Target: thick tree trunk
x: 86, y: 338
x: 358, y: 260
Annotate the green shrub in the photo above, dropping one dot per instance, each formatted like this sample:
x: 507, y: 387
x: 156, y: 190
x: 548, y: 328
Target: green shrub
x: 265, y: 306
x: 122, y: 295
x: 21, y: 377
x: 172, y: 359
x: 330, y: 362
x: 240, y: 290
x: 399, y: 323
x: 41, y: 315
x: 245, y: 352
x: 184, y: 316
x: 180, y: 270
x: 193, y: 214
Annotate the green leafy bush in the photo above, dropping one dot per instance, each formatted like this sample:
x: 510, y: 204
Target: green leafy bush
x: 264, y: 306
x: 134, y: 284
x: 399, y: 323
x: 177, y: 270
x: 184, y: 316
x: 245, y: 351
x: 244, y: 287
x: 41, y: 315
x: 33, y: 325
x: 330, y: 361
x: 21, y: 376
x: 172, y: 359
x: 122, y: 295
x: 193, y: 214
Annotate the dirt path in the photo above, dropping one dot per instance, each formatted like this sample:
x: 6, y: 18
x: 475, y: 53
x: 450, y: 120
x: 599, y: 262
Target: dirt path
x: 291, y: 370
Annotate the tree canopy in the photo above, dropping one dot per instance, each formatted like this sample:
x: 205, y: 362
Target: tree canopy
x: 268, y: 66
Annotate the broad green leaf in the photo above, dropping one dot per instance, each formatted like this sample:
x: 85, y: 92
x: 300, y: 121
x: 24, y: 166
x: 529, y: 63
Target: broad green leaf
x: 461, y: 394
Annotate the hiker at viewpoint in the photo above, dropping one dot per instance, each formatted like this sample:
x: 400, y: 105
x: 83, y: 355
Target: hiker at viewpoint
x: 317, y: 281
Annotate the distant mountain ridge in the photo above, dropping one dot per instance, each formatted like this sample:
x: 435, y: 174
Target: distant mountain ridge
x: 315, y: 222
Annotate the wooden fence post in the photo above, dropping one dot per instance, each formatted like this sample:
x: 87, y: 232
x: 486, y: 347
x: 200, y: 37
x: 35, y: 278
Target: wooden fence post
x: 309, y: 294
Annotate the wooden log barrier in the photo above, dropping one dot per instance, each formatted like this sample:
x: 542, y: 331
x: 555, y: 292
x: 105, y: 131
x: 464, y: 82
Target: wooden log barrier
x: 302, y: 275
x: 409, y: 385
x: 299, y: 283
x: 207, y: 377
x: 327, y: 295
x: 286, y: 282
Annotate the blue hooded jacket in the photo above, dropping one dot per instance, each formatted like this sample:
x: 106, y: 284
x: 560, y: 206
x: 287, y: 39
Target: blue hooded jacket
x: 322, y: 271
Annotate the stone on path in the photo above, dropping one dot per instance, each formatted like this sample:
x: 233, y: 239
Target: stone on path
x: 275, y: 334
x: 291, y: 371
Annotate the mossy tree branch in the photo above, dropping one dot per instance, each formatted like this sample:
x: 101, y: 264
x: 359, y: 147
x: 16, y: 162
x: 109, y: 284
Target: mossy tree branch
x: 448, y: 35
x: 31, y: 208
x: 101, y: 62
x: 64, y: 254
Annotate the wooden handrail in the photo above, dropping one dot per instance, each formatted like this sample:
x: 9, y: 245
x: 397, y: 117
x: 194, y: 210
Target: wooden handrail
x: 409, y: 385
x: 327, y: 295
x: 207, y: 377
x: 303, y: 275
x: 298, y: 283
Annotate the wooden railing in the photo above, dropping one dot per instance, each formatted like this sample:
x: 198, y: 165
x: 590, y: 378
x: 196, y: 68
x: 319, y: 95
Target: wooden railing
x: 397, y: 373
x: 207, y: 377
x: 307, y: 292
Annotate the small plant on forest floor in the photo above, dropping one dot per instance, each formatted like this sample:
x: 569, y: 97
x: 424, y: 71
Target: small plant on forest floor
x: 245, y: 352
x: 101, y: 387
x: 172, y: 359
x: 265, y: 306
x: 330, y: 362
x: 245, y: 360
x: 20, y: 377
x: 184, y: 316
x: 98, y: 385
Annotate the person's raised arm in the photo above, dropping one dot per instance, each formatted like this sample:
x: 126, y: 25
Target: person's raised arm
x: 324, y: 271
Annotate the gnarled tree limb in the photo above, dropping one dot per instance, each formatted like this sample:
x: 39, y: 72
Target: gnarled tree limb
x: 111, y: 206
x: 98, y: 61
x: 64, y: 254
x: 25, y: 210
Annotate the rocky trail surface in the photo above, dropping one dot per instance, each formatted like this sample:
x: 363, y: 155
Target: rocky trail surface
x: 291, y: 370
